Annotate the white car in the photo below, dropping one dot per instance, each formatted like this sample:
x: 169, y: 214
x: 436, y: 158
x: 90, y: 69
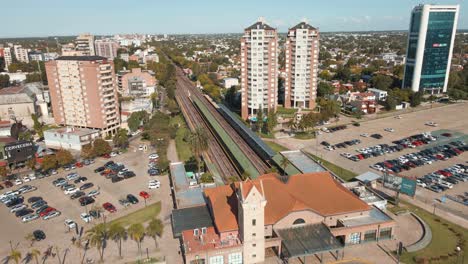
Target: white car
x: 330, y: 148
x: 432, y: 124
x: 153, y: 156
x: 29, y: 218
x: 32, y: 176
x: 93, y: 193
x: 398, y: 117
x: 51, y: 215
x: 18, y: 182
x: 113, y: 154
x: 72, y: 176
x: 53, y: 172
x: 389, y: 129
x: 26, y: 179
x: 376, y: 167
x: 86, y: 217
x: 70, y: 223
x: 364, y: 135
x: 140, y: 147
x: 154, y: 184
x: 70, y: 190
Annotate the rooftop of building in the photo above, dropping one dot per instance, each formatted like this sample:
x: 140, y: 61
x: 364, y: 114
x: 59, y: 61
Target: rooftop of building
x: 375, y: 216
x: 303, y: 25
x: 6, y: 140
x: 81, y: 58
x: 260, y: 25
x: 199, y: 217
x: 209, y: 240
x: 71, y: 131
x: 318, y: 192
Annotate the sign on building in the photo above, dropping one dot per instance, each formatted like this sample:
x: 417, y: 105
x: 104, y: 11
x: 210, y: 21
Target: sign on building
x: 401, y: 184
x: 19, y: 151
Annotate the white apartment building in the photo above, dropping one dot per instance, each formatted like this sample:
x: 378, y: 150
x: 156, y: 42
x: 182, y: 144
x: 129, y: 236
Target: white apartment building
x: 21, y: 53
x: 7, y: 57
x: 301, y: 54
x: 259, y: 69
x: 84, y: 45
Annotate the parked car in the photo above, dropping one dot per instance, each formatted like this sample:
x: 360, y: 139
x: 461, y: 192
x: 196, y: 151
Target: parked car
x: 70, y: 223
x: 86, y: 200
x: 86, y: 186
x: 29, y: 218
x: 78, y: 194
x: 132, y: 199
x: 34, y: 199
x: 39, y: 235
x: 154, y: 184
x: 144, y: 195
x: 86, y: 217
x: 109, y: 207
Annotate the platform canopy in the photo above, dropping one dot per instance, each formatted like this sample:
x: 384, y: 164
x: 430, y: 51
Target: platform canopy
x: 307, y: 240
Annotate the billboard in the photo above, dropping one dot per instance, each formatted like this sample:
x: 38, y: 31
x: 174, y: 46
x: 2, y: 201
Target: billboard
x: 19, y: 151
x: 401, y: 184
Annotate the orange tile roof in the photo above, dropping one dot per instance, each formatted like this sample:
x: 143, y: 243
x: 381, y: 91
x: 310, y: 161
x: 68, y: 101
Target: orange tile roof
x: 317, y: 192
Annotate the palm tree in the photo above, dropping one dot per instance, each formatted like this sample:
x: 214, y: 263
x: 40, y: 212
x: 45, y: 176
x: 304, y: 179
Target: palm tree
x: 155, y: 230
x: 198, y: 141
x: 137, y: 232
x: 284, y: 163
x: 118, y: 233
x: 97, y: 237
x: 30, y: 237
x: 35, y: 253
x: 15, y: 255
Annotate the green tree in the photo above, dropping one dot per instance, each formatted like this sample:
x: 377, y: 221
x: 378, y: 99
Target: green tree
x: 136, y: 232
x: 33, y: 77
x: 284, y: 164
x: 97, y: 238
x: 207, y: 177
x: 398, y: 71
x: 32, y: 163
x: 137, y: 119
x: 49, y: 162
x: 325, y: 75
x: 118, y: 233
x: 271, y: 122
x: 382, y: 82
x: 155, y: 230
x: 121, y: 138
x: 101, y: 147
x: 37, y: 125
x: 390, y: 103
x: 324, y: 89
x: 87, y: 151
x: 415, y: 99
x: 64, y: 157
x: 3, y: 171
x: 154, y: 99
x: 260, y: 120
x: 343, y: 73
x: 4, y: 80
x: 119, y: 64
x: 199, y: 144
x: 26, y: 135
x: 133, y: 64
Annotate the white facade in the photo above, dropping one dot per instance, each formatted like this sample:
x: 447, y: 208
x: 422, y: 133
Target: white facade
x: 380, y: 95
x: 106, y: 48
x: 259, y: 69
x: 21, y: 53
x: 7, y: 57
x: 69, y: 138
x: 229, y: 82
x: 301, y: 54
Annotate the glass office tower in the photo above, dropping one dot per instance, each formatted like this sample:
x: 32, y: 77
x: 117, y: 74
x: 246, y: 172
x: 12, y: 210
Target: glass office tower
x: 430, y: 44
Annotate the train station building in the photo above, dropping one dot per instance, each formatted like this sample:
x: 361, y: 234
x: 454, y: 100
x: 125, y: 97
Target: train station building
x: 296, y: 216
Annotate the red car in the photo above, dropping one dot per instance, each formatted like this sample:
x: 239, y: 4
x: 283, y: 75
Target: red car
x: 109, y: 207
x: 8, y: 184
x: 79, y: 165
x: 46, y: 211
x: 144, y: 195
x: 106, y: 156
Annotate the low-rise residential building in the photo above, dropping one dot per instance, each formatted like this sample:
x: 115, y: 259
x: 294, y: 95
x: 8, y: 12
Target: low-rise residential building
x: 230, y: 82
x: 299, y: 215
x: 69, y: 138
x: 365, y: 102
x: 17, y: 103
x: 380, y: 95
x: 36, y: 56
x: 136, y: 82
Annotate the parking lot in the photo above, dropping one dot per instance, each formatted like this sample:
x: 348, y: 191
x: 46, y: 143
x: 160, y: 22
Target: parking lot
x: 12, y: 229
x: 450, y: 119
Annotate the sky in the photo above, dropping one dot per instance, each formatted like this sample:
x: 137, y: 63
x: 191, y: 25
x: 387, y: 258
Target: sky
x: 30, y: 18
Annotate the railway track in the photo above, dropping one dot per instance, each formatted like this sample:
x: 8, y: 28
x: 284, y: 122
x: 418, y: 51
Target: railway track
x: 215, y: 154
x: 259, y: 164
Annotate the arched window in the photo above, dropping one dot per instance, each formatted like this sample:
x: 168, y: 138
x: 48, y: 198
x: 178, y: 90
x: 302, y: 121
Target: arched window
x: 299, y: 221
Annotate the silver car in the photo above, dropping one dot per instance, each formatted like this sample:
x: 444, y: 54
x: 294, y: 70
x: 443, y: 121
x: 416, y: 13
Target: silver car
x: 51, y: 215
x: 18, y: 207
x: 29, y: 218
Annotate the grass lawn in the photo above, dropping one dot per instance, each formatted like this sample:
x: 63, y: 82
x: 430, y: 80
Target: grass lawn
x: 343, y: 173
x: 141, y: 216
x: 275, y: 146
x: 183, y: 148
x: 446, y: 237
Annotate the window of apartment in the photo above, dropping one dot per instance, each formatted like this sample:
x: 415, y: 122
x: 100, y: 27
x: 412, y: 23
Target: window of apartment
x: 254, y: 222
x: 254, y: 245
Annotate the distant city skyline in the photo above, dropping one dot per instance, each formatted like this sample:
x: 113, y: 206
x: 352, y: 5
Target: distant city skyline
x: 28, y: 18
